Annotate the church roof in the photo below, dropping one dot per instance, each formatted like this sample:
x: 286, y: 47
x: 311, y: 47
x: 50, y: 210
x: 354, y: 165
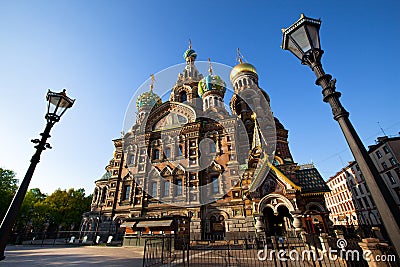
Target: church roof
x: 311, y: 181
x: 106, y: 176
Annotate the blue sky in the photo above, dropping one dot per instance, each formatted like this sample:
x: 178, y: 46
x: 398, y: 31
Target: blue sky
x: 102, y: 51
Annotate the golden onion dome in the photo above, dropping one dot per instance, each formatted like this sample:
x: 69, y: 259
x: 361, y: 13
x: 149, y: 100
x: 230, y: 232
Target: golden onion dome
x: 242, y: 67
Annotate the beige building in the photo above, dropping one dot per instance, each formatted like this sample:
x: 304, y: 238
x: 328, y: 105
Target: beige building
x: 350, y: 200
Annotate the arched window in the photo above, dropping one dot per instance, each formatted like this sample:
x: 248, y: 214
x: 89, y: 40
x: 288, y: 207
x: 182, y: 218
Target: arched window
x: 180, y: 150
x: 183, y: 97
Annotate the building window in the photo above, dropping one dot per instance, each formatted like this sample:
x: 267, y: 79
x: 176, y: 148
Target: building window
x: 156, y: 154
x: 183, y: 97
x: 378, y: 154
x: 141, y: 167
x: 357, y: 167
x: 154, y: 189
x: 167, y: 152
x: 361, y: 190
x: 386, y: 149
x: 180, y: 150
x: 109, y: 203
x: 131, y: 159
x: 212, y: 147
x: 215, y: 185
x: 179, y: 187
x: 228, y: 138
x: 166, y: 188
x: 392, y: 161
x: 236, y: 194
x: 384, y: 165
x: 390, y: 177
x: 126, y: 192
x: 115, y: 172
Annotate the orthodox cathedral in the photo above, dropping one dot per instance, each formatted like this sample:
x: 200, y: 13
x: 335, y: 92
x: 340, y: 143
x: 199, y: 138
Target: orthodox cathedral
x: 188, y: 164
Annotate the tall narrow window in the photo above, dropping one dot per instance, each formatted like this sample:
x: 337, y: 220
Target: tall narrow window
x: 180, y: 150
x: 212, y: 147
x: 126, y: 192
x: 167, y: 152
x: 156, y: 154
x: 154, y: 189
x: 179, y: 187
x: 166, y: 188
x: 391, y: 178
x: 215, y: 186
x: 183, y: 97
x: 386, y: 149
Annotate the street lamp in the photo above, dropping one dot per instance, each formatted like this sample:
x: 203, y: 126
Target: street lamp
x: 302, y: 39
x: 58, y: 103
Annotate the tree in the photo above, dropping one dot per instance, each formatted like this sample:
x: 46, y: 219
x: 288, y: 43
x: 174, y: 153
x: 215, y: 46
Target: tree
x: 27, y: 213
x: 8, y: 187
x: 63, y: 209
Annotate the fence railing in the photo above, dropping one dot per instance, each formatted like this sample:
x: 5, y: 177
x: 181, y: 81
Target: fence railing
x: 308, y: 250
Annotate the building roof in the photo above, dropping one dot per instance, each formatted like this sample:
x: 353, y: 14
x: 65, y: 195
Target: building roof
x: 311, y: 180
x: 380, y: 141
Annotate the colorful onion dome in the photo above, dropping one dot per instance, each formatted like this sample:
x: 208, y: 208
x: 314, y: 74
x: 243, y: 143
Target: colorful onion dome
x: 242, y: 67
x: 211, y: 83
x: 190, y: 55
x: 148, y: 99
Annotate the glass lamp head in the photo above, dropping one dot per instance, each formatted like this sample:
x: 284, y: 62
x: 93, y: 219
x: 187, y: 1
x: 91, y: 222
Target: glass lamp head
x: 302, y: 37
x: 58, y: 103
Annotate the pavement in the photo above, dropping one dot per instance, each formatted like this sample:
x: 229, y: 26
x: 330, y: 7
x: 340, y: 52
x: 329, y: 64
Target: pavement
x: 65, y: 256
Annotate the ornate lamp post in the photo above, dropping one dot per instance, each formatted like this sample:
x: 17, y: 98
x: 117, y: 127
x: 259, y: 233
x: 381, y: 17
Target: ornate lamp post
x: 302, y: 39
x: 58, y: 103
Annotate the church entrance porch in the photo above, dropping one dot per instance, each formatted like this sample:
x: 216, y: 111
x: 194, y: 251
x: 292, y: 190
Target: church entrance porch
x: 277, y: 223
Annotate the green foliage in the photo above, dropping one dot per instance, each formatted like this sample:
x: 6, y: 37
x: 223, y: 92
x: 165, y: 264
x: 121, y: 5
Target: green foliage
x: 62, y: 209
x: 8, y: 187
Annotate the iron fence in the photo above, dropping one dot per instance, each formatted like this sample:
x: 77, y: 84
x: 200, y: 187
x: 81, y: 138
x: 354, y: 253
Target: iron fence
x: 308, y: 250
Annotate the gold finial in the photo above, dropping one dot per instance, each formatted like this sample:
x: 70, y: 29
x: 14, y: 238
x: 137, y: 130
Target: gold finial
x: 254, y: 116
x: 210, y: 70
x: 239, y: 56
x: 152, y: 82
x: 190, y: 44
